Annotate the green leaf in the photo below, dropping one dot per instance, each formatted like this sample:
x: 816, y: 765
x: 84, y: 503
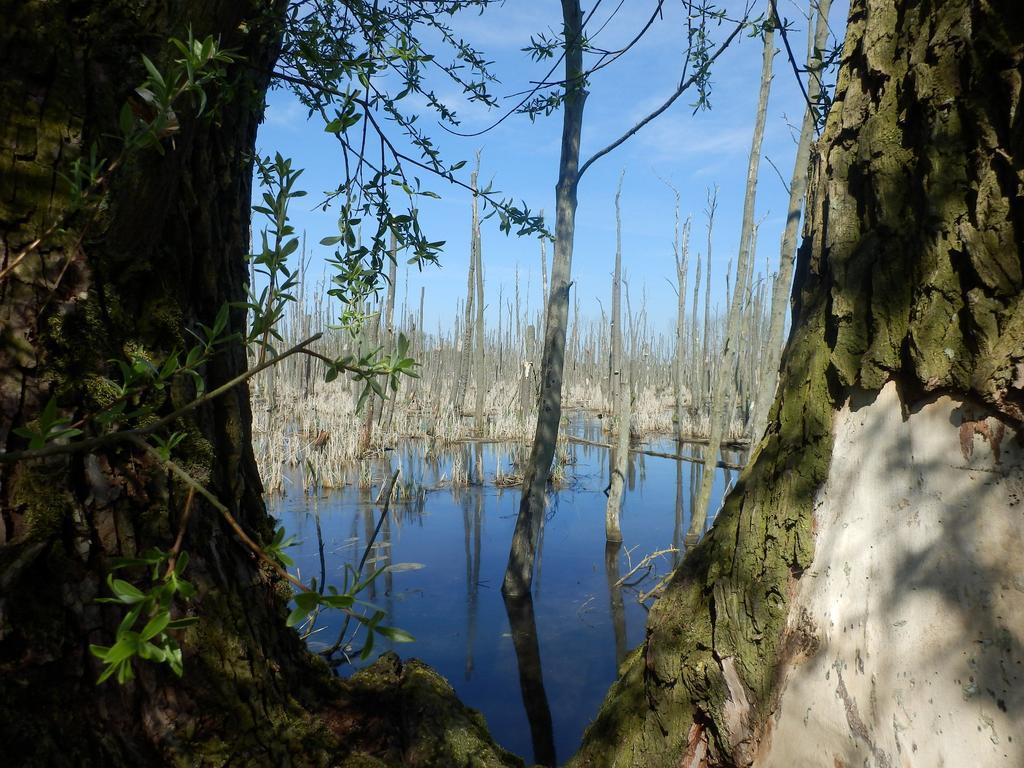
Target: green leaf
x: 99, y: 651
x: 185, y: 589
x: 156, y: 625
x: 107, y: 672
x: 181, y: 563
x: 338, y: 601
x: 395, y: 634
x: 368, y: 648
x: 123, y: 649
x: 129, y: 620
x: 154, y: 73
x: 182, y: 623
x: 296, y: 617
x: 126, y: 593
x: 173, y: 658
x: 150, y: 652
x: 307, y: 601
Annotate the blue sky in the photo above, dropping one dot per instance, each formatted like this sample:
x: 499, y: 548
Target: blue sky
x: 692, y: 151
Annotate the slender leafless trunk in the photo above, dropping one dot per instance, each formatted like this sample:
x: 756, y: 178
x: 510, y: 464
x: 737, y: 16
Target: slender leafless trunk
x: 797, y: 190
x: 612, y: 527
x: 681, y: 247
x: 519, y: 573
x: 389, y: 318
x: 705, y: 383
x: 615, y: 362
x: 544, y: 266
x: 481, y: 384
x: 466, y: 356
x: 725, y: 376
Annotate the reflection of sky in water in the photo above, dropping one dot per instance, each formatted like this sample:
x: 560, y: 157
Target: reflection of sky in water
x: 459, y: 534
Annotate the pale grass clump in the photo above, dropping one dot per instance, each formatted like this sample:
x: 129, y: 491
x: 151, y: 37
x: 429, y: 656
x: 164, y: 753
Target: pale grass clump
x: 293, y: 429
x: 651, y: 413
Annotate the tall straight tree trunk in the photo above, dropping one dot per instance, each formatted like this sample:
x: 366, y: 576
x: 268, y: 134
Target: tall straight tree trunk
x: 682, y: 256
x: 519, y: 572
x: 366, y: 432
x: 615, y: 362
x: 166, y: 252
x: 466, y: 351
x: 620, y: 464
x: 389, y: 320
x: 706, y: 341
x: 696, y: 364
x: 854, y: 603
x: 543, y: 266
x: 479, y: 422
x: 722, y: 394
x: 797, y: 190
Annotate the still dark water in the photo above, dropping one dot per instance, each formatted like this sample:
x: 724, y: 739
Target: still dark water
x: 540, y: 692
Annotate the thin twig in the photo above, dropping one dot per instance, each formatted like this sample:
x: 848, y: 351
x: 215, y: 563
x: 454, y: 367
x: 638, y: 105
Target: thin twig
x: 785, y: 186
x: 643, y: 597
x: 683, y: 85
x: 195, y: 485
x: 172, y: 561
x: 792, y: 61
x: 645, y: 562
x: 130, y: 434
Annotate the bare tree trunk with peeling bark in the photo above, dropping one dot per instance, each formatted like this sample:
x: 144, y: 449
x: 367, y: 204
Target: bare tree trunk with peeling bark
x: 723, y: 389
x: 620, y: 464
x: 854, y: 603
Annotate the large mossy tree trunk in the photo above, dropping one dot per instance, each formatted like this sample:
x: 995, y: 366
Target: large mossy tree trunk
x: 858, y: 600
x: 165, y: 251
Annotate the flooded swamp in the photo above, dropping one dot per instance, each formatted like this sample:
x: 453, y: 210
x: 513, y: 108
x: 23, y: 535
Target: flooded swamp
x: 537, y: 669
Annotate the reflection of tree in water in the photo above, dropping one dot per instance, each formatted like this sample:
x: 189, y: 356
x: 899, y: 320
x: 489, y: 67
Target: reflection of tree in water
x: 618, y: 610
x: 472, y: 530
x: 531, y: 682
x: 551, y: 504
x: 677, y: 528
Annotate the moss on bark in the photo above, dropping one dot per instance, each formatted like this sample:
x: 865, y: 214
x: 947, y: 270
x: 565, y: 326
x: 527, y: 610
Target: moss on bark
x: 910, y: 270
x: 166, y: 251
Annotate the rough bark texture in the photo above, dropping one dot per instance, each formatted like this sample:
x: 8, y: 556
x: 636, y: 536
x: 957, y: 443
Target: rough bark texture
x: 165, y: 252
x: 910, y: 272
